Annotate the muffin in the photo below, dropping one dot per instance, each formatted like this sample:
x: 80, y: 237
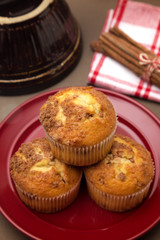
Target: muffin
x: 43, y: 183
x: 79, y: 123
x: 122, y: 179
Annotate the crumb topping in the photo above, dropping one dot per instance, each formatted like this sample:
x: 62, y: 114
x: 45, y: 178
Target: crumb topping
x: 126, y: 169
x: 35, y: 170
x: 71, y: 115
x: 29, y: 154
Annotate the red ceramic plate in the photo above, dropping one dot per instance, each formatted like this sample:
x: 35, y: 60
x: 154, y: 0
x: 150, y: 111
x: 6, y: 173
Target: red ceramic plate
x: 83, y: 219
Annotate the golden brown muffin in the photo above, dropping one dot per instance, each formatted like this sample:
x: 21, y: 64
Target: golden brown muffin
x: 121, y: 180
x: 42, y: 182
x: 79, y: 123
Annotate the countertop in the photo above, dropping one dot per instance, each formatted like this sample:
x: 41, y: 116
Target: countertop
x: 90, y: 15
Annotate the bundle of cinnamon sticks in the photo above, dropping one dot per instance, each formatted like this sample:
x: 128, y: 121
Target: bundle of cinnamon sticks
x: 119, y: 46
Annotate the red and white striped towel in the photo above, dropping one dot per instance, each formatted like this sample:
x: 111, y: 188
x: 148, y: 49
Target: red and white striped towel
x: 142, y: 23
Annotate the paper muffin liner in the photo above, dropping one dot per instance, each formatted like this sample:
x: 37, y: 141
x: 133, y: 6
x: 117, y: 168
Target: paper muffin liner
x: 49, y: 204
x: 117, y: 203
x: 81, y: 156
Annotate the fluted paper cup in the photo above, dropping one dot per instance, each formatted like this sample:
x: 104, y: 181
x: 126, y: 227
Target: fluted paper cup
x: 49, y: 204
x: 81, y: 156
x: 117, y: 203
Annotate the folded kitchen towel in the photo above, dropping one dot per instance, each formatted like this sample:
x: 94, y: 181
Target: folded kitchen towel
x: 141, y: 22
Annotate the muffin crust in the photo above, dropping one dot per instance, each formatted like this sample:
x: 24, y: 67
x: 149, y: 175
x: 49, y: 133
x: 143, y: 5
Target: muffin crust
x: 78, y: 116
x: 35, y: 170
x: 127, y: 169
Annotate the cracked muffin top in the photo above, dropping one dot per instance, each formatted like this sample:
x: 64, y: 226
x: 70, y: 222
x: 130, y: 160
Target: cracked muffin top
x: 35, y: 170
x: 127, y: 169
x: 78, y: 116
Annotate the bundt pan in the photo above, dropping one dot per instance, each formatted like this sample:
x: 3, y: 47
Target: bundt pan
x: 40, y: 42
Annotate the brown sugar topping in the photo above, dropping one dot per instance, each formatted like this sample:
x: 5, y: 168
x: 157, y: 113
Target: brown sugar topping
x: 122, y: 176
x: 35, y: 170
x: 73, y: 115
x: 27, y: 156
x: 127, y: 168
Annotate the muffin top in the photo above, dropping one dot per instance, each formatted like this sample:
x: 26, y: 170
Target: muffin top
x: 78, y: 116
x: 35, y: 170
x: 127, y: 169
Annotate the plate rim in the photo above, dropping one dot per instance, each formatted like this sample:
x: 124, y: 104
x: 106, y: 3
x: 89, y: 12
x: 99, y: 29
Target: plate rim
x: 53, y: 91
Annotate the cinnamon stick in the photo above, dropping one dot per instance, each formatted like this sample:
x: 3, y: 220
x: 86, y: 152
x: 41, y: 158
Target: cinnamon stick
x: 116, y: 56
x: 118, y: 32
x: 122, y: 48
x: 125, y: 50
